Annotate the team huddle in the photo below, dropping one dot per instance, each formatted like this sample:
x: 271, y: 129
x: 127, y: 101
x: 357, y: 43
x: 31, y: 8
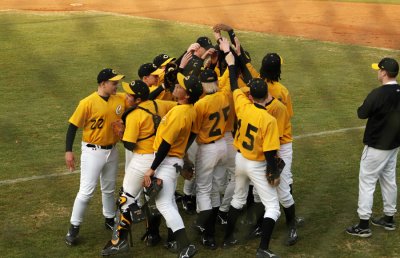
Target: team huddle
x: 209, y: 116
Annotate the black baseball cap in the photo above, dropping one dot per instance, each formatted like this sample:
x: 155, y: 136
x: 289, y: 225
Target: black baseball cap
x: 108, y: 74
x: 205, y: 42
x: 147, y: 69
x: 270, y: 64
x: 137, y: 88
x: 208, y: 75
x: 162, y: 59
x: 258, y: 88
x: 388, y: 64
x: 191, y: 84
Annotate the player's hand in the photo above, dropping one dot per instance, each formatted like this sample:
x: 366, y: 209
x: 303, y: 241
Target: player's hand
x: 70, y: 160
x: 193, y: 47
x: 217, y: 35
x: 185, y: 59
x: 208, y: 53
x: 237, y: 46
x: 147, y: 177
x: 273, y: 180
x: 221, y: 26
x: 224, y: 45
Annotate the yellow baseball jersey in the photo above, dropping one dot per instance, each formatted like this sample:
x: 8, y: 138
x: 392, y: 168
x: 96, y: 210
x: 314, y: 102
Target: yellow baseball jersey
x: 279, y: 111
x: 175, y: 128
x: 139, y: 125
x: 257, y: 131
x: 95, y: 116
x: 276, y: 89
x: 212, y: 115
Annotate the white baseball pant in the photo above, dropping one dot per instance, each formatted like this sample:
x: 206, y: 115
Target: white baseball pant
x: 254, y: 171
x: 95, y: 163
x: 230, y: 175
x: 377, y: 165
x: 210, y: 173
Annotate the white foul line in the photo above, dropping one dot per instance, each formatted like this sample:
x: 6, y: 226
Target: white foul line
x: 25, y: 179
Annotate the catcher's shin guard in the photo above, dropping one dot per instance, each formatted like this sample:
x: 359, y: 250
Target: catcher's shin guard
x: 119, y: 241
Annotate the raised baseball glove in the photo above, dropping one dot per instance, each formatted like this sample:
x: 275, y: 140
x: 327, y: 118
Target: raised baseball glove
x: 118, y: 128
x: 170, y: 78
x: 154, y: 188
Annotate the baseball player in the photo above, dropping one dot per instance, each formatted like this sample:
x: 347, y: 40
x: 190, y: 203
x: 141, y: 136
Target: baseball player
x: 257, y: 141
x: 138, y: 138
x: 212, y: 114
x: 99, y: 157
x: 202, y: 51
x: 170, y: 146
x: 379, y: 157
x: 278, y: 110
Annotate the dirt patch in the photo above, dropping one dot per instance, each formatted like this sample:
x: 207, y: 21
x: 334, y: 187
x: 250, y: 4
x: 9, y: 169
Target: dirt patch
x: 355, y: 23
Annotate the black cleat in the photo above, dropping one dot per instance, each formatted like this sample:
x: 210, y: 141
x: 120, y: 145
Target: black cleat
x: 222, y: 218
x: 292, y: 236
x: 255, y: 233
x: 72, y: 236
x: 381, y: 222
x: 189, y: 204
x: 152, y: 239
x: 188, y: 252
x: 261, y: 253
x: 111, y: 248
x: 209, y: 242
x: 228, y: 243
x: 299, y: 221
x: 357, y: 231
x: 172, y: 246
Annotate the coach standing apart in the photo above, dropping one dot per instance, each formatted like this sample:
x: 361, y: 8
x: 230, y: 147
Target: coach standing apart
x: 99, y: 158
x: 379, y: 157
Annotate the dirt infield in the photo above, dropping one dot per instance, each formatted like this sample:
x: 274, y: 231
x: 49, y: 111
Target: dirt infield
x: 355, y: 23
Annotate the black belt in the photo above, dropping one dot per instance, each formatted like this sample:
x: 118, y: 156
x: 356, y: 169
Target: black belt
x: 107, y: 147
x: 210, y: 142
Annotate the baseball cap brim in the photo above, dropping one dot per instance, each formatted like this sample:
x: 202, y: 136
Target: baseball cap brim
x: 168, y: 61
x: 127, y: 88
x: 181, y: 80
x: 375, y: 66
x: 157, y: 72
x: 117, y: 77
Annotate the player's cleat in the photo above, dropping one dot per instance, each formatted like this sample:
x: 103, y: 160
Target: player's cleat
x: 381, y: 222
x: 122, y: 246
x: 261, y: 253
x: 109, y: 223
x: 152, y: 239
x: 72, y: 236
x: 255, y: 233
x: 222, y: 218
x: 172, y: 246
x: 360, y: 232
x: 188, y: 252
x: 228, y: 243
x: 292, y: 236
x: 209, y: 242
x: 299, y: 221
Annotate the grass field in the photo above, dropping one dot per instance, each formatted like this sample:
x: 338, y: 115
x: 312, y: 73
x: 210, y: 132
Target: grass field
x: 50, y: 62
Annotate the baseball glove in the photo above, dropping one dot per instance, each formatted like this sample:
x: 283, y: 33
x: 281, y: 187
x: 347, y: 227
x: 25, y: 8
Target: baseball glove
x: 118, y: 128
x: 154, y: 188
x: 272, y: 176
x: 170, y: 78
x: 187, y: 171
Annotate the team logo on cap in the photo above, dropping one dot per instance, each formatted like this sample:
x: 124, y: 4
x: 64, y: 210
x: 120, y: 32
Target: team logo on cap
x: 132, y: 83
x: 165, y: 56
x: 154, y: 66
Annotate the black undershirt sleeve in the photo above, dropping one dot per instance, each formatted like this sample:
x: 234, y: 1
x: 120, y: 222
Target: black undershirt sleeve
x: 129, y: 145
x: 192, y: 136
x: 233, y: 77
x: 271, y: 161
x: 161, y: 153
x: 71, y: 132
